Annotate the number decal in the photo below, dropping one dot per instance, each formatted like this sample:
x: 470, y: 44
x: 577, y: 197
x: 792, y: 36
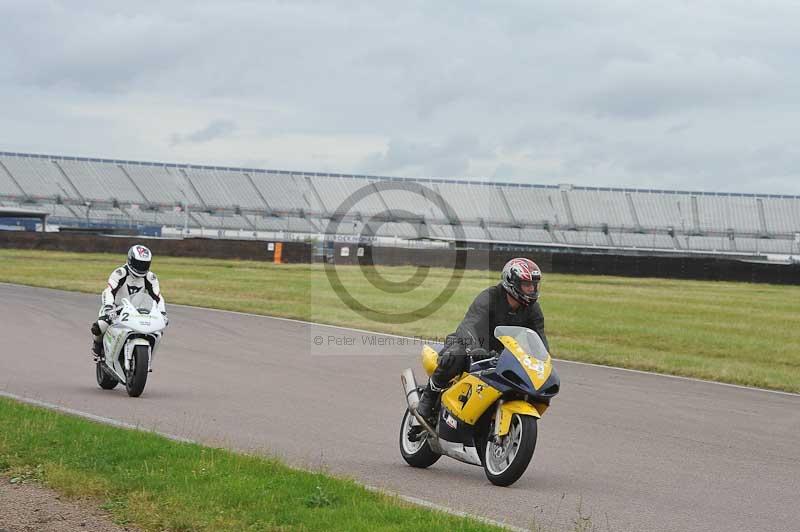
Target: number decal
x: 124, y: 316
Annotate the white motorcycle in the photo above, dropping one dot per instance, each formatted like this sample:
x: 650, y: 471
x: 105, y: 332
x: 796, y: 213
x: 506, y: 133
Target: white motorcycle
x: 129, y: 344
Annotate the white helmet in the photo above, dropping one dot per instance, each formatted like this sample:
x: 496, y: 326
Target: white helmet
x: 139, y: 258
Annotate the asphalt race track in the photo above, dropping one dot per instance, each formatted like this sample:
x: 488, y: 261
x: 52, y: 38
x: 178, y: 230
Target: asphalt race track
x: 640, y: 452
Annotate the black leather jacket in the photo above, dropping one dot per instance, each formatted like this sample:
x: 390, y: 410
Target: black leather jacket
x: 486, y: 312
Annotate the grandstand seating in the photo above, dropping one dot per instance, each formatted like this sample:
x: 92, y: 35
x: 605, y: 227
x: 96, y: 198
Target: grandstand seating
x: 265, y: 223
x: 583, y: 238
x: 474, y: 201
x: 767, y: 245
x: 535, y: 205
x: 99, y: 184
x: 219, y: 188
x: 396, y: 230
x: 590, y: 207
x: 707, y: 243
x: 404, y: 197
x: 159, y: 185
x: 782, y: 215
x: 39, y: 177
x: 7, y: 185
x: 652, y: 240
x: 285, y: 192
x: 167, y: 217
x: 334, y: 192
x: 658, y: 210
x: 731, y: 212
x: 130, y: 192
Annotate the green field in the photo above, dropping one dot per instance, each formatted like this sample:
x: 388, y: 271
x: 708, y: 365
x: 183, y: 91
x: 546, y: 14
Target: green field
x: 157, y: 484
x: 731, y: 332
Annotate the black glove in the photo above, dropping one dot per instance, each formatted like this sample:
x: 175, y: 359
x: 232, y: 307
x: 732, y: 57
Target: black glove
x: 480, y: 353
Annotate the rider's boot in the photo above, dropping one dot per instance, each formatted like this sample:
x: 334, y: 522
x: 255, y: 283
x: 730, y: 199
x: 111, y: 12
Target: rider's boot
x: 97, y: 350
x: 427, y: 403
x: 97, y: 343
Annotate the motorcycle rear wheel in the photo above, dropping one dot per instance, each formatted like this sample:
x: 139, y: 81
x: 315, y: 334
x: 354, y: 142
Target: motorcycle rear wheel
x: 505, y: 463
x: 104, y: 380
x: 419, y: 453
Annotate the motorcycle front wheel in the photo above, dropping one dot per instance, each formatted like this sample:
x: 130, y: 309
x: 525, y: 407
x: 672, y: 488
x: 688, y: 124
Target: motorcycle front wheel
x: 415, y: 453
x: 136, y: 376
x: 506, y: 462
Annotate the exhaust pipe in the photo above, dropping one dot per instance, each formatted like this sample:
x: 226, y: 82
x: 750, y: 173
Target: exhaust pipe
x: 410, y: 388
x: 412, y: 398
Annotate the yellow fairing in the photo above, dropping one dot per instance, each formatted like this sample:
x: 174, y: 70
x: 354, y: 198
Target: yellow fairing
x: 469, y: 398
x: 516, y: 407
x: 537, y: 370
x: 430, y: 359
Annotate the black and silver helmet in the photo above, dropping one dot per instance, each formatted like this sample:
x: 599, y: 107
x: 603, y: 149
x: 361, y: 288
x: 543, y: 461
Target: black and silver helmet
x: 139, y: 258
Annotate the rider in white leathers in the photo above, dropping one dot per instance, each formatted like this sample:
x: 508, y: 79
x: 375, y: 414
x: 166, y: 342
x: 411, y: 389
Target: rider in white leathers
x: 133, y: 281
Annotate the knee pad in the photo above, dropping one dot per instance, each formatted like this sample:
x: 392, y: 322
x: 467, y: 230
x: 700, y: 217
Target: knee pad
x: 451, y: 362
x: 99, y: 329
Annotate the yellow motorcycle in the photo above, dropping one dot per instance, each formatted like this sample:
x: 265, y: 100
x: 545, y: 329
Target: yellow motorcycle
x: 488, y: 416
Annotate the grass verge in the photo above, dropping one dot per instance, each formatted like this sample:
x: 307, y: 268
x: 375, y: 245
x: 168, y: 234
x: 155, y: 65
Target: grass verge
x: 739, y: 333
x: 158, y: 484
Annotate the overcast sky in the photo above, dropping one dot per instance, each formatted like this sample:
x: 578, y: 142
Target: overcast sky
x: 678, y: 95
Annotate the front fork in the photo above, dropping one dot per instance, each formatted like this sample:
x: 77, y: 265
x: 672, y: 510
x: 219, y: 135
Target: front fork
x: 495, y: 436
x: 129, y: 347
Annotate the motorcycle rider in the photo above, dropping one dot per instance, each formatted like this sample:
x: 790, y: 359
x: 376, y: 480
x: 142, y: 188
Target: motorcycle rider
x: 134, y: 281
x: 513, y: 301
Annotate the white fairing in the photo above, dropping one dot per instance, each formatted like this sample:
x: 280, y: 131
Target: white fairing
x: 459, y: 451
x: 117, y: 340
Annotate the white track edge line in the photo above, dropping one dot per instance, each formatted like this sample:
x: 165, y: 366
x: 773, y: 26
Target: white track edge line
x: 122, y: 424
x: 295, y: 320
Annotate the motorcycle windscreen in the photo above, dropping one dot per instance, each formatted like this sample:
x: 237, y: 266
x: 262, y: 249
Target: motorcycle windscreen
x: 522, y: 341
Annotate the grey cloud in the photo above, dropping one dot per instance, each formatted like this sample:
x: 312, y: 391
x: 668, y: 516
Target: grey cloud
x: 505, y: 171
x: 679, y: 127
x: 548, y: 133
x: 687, y: 166
x: 674, y: 83
x: 450, y: 158
x: 391, y: 57
x: 215, y: 130
x: 429, y: 100
x: 603, y: 94
x: 90, y: 50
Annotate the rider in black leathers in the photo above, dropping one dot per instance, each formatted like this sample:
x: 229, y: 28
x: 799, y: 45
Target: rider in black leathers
x: 513, y: 301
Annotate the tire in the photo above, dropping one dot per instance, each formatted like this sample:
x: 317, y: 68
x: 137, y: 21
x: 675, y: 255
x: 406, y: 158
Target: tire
x: 136, y: 377
x: 104, y: 380
x: 414, y: 453
x: 519, y: 444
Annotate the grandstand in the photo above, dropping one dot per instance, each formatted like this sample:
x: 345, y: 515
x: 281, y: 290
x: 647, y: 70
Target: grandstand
x: 257, y: 203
